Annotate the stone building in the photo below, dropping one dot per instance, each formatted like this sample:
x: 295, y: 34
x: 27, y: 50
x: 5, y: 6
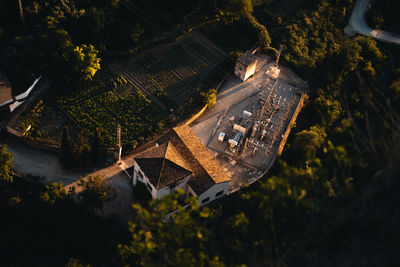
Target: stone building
x: 245, y: 66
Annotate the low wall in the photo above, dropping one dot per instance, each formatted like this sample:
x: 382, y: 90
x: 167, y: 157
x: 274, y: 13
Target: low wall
x: 12, y: 133
x: 292, y: 120
x: 195, y: 116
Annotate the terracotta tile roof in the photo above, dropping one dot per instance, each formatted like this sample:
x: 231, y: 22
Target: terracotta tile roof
x: 160, y: 170
x: 5, y: 89
x: 188, y: 151
x: 203, y: 156
x: 247, y: 58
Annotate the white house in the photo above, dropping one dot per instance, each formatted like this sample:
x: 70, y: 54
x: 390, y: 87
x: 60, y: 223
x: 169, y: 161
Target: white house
x: 180, y: 160
x: 245, y: 65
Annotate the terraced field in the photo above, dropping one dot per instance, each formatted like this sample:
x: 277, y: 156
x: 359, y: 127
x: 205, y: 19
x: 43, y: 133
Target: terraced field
x: 148, y: 85
x: 174, y: 70
x: 103, y: 111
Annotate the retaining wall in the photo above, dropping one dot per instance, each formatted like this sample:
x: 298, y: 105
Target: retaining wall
x: 292, y: 120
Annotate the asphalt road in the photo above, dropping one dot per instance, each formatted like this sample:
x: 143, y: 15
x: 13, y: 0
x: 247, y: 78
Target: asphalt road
x: 357, y: 24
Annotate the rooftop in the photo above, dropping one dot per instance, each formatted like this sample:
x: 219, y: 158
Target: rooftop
x: 159, y: 166
x: 247, y: 58
x: 192, y: 155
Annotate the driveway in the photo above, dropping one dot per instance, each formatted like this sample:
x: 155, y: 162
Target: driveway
x: 29, y: 160
x: 357, y: 24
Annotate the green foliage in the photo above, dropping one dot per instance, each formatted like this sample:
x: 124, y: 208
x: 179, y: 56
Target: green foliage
x: 53, y: 234
x: 72, y: 262
x: 85, y: 62
x: 136, y: 33
x: 6, y: 165
x: 312, y: 36
x: 307, y: 142
x: 80, y: 148
x: 244, y: 8
x: 95, y: 151
x: 383, y: 15
x: 95, y: 192
x: 209, y: 97
x: 100, y: 115
x: 53, y: 192
x: 345, y: 151
x: 76, y: 151
x: 65, y: 146
x: 179, y: 241
x: 263, y: 35
x: 142, y: 194
x: 241, y: 7
x: 328, y: 109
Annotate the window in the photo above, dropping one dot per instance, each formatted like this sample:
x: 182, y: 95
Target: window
x: 219, y: 193
x: 205, y: 200
x: 149, y: 187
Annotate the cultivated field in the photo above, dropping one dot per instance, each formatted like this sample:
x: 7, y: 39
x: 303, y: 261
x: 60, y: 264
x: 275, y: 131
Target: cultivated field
x: 173, y: 71
x: 136, y: 94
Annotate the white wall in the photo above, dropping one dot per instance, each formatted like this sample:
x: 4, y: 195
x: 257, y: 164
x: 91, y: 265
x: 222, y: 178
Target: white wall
x: 212, y: 191
x: 166, y: 190
x: 240, y: 70
x: 162, y: 191
x: 145, y: 180
x: 250, y: 70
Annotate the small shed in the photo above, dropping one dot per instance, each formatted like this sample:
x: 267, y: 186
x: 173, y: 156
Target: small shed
x: 245, y: 65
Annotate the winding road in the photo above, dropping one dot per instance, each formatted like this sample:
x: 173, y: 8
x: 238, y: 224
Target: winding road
x: 357, y: 24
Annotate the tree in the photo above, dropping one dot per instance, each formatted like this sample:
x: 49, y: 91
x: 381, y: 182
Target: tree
x: 80, y: 149
x: 65, y: 146
x: 210, y: 97
x: 95, y: 147
x: 6, y: 165
x: 241, y: 7
x: 95, y: 192
x: 307, y: 142
x: 72, y: 262
x: 183, y: 240
x: 327, y: 108
x: 84, y: 62
x: 53, y: 192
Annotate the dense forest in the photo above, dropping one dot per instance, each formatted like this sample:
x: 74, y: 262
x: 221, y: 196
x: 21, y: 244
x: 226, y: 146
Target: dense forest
x: 330, y: 200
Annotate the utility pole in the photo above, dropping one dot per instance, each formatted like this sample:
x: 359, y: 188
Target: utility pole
x: 281, y: 47
x: 119, y: 141
x: 21, y: 12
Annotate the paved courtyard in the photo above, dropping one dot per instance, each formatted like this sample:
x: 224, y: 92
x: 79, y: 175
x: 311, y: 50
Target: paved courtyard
x: 272, y: 104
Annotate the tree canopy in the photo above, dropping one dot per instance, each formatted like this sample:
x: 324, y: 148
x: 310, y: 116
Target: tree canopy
x: 6, y: 165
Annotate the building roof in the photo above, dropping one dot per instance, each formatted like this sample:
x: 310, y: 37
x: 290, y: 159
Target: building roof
x: 5, y: 89
x: 190, y: 153
x: 159, y: 166
x: 247, y: 58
